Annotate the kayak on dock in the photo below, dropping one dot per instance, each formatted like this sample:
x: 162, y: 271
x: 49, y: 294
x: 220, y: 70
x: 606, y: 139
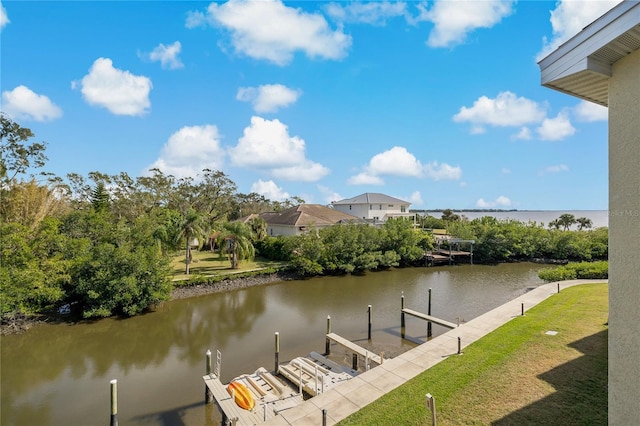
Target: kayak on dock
x: 241, y: 395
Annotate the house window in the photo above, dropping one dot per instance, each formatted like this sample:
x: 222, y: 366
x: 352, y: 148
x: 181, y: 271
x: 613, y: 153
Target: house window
x: 349, y: 206
x: 380, y: 207
x: 403, y: 209
x: 370, y: 206
x: 390, y: 205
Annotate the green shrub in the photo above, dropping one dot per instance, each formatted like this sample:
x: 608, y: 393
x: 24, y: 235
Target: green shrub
x: 572, y: 271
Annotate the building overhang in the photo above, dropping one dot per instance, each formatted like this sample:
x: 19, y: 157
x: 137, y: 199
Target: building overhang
x: 582, y: 66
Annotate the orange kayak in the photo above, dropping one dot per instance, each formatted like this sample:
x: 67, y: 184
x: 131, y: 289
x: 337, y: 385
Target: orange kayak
x: 242, y: 395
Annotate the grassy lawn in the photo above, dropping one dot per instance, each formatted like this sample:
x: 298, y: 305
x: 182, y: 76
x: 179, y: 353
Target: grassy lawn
x: 208, y: 263
x: 516, y: 375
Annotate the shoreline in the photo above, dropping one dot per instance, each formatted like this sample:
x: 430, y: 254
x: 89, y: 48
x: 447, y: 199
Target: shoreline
x: 20, y: 323
x: 229, y: 284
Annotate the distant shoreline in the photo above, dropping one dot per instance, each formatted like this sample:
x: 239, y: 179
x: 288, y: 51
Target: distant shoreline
x: 500, y: 210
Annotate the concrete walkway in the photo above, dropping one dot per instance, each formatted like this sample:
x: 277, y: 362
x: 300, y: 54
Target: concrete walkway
x: 354, y: 394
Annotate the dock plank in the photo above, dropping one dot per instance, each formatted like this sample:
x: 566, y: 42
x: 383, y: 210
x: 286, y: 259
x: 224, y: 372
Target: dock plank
x: 267, y: 406
x: 429, y: 318
x: 355, y: 348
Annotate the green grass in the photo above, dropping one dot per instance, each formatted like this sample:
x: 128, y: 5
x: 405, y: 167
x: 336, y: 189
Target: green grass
x: 207, y: 263
x: 516, y: 375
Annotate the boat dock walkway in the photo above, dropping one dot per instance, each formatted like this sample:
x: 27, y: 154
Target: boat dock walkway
x: 352, y: 395
x: 355, y: 348
x: 271, y: 396
x: 429, y: 318
x: 315, y: 374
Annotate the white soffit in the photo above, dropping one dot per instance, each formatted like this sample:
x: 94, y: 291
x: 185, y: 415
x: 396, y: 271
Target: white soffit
x: 581, y: 67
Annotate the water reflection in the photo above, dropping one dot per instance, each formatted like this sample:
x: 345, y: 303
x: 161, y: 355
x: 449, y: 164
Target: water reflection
x: 59, y: 374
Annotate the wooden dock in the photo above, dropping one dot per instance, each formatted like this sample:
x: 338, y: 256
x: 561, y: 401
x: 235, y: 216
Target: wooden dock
x: 271, y: 396
x: 429, y: 318
x: 355, y: 348
x: 315, y: 374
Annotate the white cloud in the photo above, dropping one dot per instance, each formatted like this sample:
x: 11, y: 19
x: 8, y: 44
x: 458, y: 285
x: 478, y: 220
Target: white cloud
x: 269, y: 190
x: 505, y: 170
x: 268, y: 97
x: 373, y: 13
x: 167, y: 55
x: 308, y: 171
x: 190, y: 150
x: 4, y: 18
x: 397, y: 161
x: 453, y: 20
x: 329, y: 195
x: 267, y: 144
x: 195, y: 19
x: 22, y: 103
x: 501, y: 201
x: 416, y: 198
x: 554, y: 129
x: 271, y: 31
x: 442, y: 171
x: 365, y: 179
x: 524, y: 133
x: 569, y: 18
x: 505, y: 110
x: 557, y: 168
x: 588, y: 111
x: 119, y: 91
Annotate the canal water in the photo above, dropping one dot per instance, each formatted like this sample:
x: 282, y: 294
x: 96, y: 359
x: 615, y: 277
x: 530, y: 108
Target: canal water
x: 59, y: 374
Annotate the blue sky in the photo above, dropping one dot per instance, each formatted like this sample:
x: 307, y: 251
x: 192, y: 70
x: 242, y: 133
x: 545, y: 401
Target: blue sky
x: 437, y: 103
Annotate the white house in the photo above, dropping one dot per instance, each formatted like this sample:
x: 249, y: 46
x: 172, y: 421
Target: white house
x: 373, y: 207
x: 601, y: 64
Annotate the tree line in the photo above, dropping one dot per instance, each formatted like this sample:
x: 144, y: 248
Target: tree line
x: 103, y: 243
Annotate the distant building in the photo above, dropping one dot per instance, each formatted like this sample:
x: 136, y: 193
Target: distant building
x: 373, y: 207
x: 300, y: 219
x: 601, y: 64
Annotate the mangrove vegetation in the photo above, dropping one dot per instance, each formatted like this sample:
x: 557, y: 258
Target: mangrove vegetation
x: 102, y: 245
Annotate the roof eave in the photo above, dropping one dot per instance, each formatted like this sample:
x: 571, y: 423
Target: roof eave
x: 579, y: 68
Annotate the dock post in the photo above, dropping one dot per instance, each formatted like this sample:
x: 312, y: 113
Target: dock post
x: 402, y: 311
x: 327, y: 344
x: 459, y: 346
x: 558, y: 287
x: 369, y: 328
x: 429, y: 326
x: 114, y: 402
x: 277, y: 365
x: 208, y: 396
x: 522, y: 308
x: 355, y: 361
x: 324, y: 417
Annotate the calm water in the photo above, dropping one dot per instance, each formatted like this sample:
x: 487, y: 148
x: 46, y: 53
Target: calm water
x: 599, y: 218
x: 59, y: 374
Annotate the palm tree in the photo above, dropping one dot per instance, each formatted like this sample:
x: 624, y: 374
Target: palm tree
x: 191, y: 225
x: 555, y: 224
x: 258, y: 228
x: 235, y: 240
x: 584, y: 222
x: 566, y: 220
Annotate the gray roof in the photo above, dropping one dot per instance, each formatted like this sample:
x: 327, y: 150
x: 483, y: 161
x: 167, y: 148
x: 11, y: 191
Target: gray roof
x: 308, y: 215
x: 372, y: 198
x: 581, y: 67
